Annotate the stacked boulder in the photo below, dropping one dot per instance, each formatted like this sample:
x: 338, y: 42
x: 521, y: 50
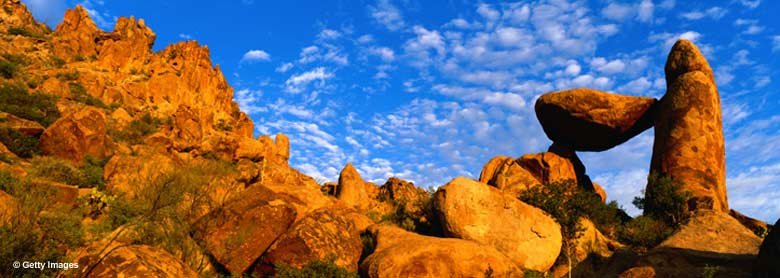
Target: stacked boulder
x: 688, y: 144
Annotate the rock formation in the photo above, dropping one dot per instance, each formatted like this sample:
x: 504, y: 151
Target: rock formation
x: 23, y: 126
x: 399, y: 253
x: 689, y: 145
x: 590, y: 120
x: 78, y: 135
x: 474, y: 211
x: 130, y: 261
x: 352, y: 190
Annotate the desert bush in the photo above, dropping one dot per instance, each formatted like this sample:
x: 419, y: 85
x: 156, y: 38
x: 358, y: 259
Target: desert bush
x: 24, y: 32
x: 8, y: 69
x: 57, y: 62
x: 644, y: 231
x: 536, y: 274
x: 666, y: 202
x: 138, y: 129
x: 22, y: 145
x: 89, y: 175
x: 79, y: 94
x: 416, y: 215
x: 315, y: 269
x: 67, y: 76
x: 38, y: 107
x: 36, y: 232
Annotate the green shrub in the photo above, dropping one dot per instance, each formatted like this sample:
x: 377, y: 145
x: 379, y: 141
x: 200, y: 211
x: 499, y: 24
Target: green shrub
x: 79, y: 94
x: 87, y: 176
x: 8, y: 69
x: 22, y: 145
x: 644, y: 231
x: 419, y: 217
x: 666, y: 202
x: 535, y: 274
x: 57, y: 62
x: 315, y: 269
x: 24, y: 32
x: 36, y: 232
x: 38, y: 107
x: 67, y: 76
x: 138, y: 129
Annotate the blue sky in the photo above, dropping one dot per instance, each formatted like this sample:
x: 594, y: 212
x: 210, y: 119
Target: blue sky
x: 429, y: 90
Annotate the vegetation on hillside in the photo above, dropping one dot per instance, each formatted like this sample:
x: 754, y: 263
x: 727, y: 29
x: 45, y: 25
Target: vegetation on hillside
x: 37, y: 107
x: 314, y: 269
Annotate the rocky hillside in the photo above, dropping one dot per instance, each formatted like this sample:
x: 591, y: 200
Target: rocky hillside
x: 119, y: 161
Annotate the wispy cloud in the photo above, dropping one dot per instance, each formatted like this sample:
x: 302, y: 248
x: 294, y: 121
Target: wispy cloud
x: 255, y: 55
x: 387, y: 14
x: 296, y: 83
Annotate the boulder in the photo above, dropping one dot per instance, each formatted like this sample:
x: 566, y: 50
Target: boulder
x: 769, y: 255
x: 321, y: 234
x: 508, y: 175
x: 282, y: 147
x: 590, y: 243
x: 548, y: 167
x: 399, y: 253
x: 709, y: 240
x: 23, y: 126
x: 298, y: 190
x: 121, y: 260
x: 475, y: 211
x: 77, y: 135
x: 129, y: 174
x: 120, y: 118
x: 591, y: 120
x: 689, y: 146
x: 239, y: 233
x: 352, y: 190
x: 399, y: 191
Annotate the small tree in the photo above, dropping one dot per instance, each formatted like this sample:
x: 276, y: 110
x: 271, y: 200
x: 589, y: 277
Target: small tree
x: 666, y: 201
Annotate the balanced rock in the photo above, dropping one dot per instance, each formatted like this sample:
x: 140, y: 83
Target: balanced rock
x: 242, y: 231
x: 769, y: 255
x: 689, y: 146
x: 591, y: 120
x: 475, y: 211
x: 122, y: 260
x: 399, y: 253
x: 77, y: 135
x: 323, y: 233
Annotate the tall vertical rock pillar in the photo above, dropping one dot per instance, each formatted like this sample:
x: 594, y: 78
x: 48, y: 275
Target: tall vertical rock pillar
x: 689, y: 145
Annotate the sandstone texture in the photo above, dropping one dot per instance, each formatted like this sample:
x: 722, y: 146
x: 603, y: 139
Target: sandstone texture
x: 689, y: 146
x: 23, y: 126
x: 239, y: 233
x: 77, y: 135
x: 591, y: 120
x: 475, y: 211
x: 321, y: 234
x: 399, y: 253
x: 128, y: 261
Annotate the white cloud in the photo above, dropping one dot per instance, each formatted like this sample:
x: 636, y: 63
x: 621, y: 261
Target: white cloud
x: 297, y: 83
x: 249, y: 100
x: 255, y: 55
x: 714, y: 13
x: 645, y: 11
x: 284, y: 67
x: 185, y: 36
x: 753, y: 29
x: 386, y: 54
x: 775, y: 43
x: 387, y: 14
x: 328, y: 34
x: 750, y: 3
x: 618, y: 11
x: 608, y: 67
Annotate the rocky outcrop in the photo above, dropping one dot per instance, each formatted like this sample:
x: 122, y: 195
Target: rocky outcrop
x: 591, y: 120
x: 327, y: 233
x: 766, y: 264
x: 710, y: 239
x: 508, y: 175
x: 297, y: 189
x: 474, y: 211
x: 352, y: 190
x: 237, y: 234
x: 77, y: 135
x: 760, y: 228
x: 589, y: 243
x: 399, y: 253
x: 121, y: 260
x: 689, y: 145
x: 15, y: 14
x: 7, y: 208
x: 76, y: 36
x: 23, y: 126
x: 129, y: 174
